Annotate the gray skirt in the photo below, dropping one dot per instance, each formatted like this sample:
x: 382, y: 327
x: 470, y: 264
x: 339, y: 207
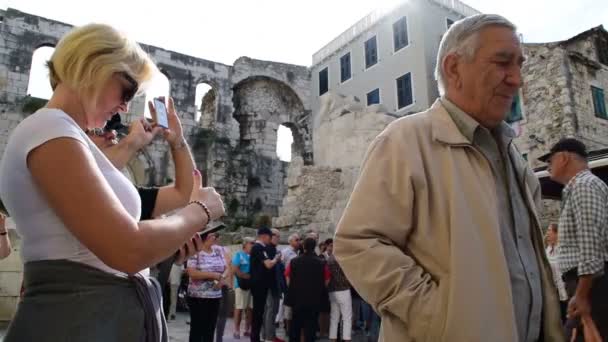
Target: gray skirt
x: 69, y: 301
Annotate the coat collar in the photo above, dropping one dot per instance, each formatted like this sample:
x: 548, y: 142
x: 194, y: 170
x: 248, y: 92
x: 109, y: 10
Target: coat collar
x: 445, y: 130
x: 443, y: 127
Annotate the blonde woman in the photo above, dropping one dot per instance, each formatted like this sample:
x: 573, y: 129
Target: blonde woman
x: 78, y: 216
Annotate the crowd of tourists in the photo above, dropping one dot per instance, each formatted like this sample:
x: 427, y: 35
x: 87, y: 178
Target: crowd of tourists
x: 441, y: 236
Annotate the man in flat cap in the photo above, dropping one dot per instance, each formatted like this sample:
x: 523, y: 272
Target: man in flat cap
x: 583, y: 233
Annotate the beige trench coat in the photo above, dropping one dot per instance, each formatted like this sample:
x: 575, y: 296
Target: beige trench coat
x: 420, y: 241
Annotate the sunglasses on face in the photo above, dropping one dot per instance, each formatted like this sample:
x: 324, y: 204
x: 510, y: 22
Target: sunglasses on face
x: 128, y: 92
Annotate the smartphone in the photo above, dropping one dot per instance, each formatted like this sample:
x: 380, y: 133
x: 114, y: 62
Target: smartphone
x: 160, y: 117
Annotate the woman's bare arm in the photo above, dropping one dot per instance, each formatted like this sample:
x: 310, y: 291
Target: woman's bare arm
x: 200, y: 275
x: 67, y: 175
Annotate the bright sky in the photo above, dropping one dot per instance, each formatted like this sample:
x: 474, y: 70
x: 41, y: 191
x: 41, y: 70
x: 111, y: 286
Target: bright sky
x: 285, y: 30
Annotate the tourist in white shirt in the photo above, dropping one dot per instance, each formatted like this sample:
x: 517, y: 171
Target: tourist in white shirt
x: 78, y: 215
x: 289, y: 253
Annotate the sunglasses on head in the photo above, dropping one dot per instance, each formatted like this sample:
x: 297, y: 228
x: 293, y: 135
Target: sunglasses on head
x: 129, y: 92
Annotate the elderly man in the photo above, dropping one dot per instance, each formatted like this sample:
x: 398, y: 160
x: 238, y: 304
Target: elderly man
x: 289, y: 253
x: 441, y: 234
x: 583, y: 235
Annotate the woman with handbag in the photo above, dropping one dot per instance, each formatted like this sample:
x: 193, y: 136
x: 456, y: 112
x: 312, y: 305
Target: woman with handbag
x: 208, y: 272
x: 242, y: 286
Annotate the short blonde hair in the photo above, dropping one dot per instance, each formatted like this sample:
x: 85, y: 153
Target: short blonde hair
x: 87, y: 57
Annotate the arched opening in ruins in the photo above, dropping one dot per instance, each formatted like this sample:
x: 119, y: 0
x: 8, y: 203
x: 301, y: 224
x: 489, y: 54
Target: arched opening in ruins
x: 205, y: 101
x: 263, y: 107
x: 159, y: 86
x: 284, y: 142
x: 39, y: 85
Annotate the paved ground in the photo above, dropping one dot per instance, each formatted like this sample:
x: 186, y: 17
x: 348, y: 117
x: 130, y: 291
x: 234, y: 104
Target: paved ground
x: 178, y: 331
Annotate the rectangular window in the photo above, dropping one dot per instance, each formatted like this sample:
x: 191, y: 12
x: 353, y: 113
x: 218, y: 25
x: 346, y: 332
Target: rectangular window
x: 373, y: 97
x: 323, y: 81
x: 400, y: 34
x: 371, y: 52
x: 449, y: 22
x: 404, y: 91
x: 515, y: 112
x: 345, y: 67
x: 599, y: 102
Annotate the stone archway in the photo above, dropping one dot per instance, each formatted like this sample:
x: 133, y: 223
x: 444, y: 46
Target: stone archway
x: 206, y: 103
x: 261, y: 105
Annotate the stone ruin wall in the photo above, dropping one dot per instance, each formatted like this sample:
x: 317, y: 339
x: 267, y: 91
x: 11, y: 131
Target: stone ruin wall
x: 317, y: 194
x: 234, y: 142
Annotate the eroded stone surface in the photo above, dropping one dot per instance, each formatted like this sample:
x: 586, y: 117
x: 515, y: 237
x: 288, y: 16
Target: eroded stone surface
x: 234, y: 141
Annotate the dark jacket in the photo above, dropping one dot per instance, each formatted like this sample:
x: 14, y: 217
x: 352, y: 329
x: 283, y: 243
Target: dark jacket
x: 306, y: 282
x: 280, y: 276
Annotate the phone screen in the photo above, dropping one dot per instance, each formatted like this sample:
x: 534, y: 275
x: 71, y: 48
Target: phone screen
x: 161, y: 113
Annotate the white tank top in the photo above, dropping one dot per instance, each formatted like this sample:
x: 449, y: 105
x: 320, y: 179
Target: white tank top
x: 44, y: 236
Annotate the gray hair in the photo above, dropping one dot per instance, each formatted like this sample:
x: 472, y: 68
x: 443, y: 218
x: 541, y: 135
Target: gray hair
x: 461, y: 39
x: 293, y: 237
x: 247, y: 240
x: 275, y: 231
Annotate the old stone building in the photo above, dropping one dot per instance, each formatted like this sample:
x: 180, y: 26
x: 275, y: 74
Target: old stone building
x: 560, y: 80
x: 234, y: 141
x: 563, y: 96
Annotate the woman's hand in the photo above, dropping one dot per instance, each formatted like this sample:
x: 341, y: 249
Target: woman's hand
x: 174, y: 135
x: 220, y: 282
x: 141, y: 134
x: 191, y: 247
x: 209, y: 196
